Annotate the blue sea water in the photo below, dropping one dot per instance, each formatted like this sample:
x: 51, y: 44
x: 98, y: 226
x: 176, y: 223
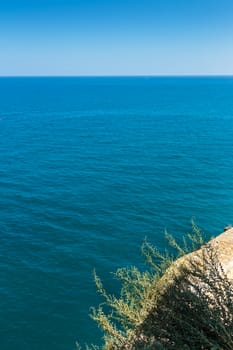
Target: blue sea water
x: 88, y: 168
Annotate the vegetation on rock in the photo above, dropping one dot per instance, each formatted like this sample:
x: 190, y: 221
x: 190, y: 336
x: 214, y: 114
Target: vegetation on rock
x: 178, y: 303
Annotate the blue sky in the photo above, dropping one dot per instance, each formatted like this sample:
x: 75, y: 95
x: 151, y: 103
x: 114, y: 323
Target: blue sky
x: 120, y: 37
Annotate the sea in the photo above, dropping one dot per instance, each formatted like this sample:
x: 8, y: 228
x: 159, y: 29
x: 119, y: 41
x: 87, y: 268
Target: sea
x: 89, y: 168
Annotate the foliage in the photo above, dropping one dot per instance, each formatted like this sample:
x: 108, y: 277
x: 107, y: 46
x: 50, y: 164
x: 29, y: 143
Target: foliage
x: 193, y: 312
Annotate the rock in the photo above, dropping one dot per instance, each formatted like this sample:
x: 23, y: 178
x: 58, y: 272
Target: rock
x: 222, y: 246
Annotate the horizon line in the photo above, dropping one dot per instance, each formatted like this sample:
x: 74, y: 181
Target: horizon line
x: 121, y: 76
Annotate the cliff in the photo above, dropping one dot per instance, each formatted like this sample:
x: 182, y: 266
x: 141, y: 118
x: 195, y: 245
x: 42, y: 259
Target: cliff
x: 219, y: 249
x: 185, y: 303
x: 194, y: 308
x: 223, y: 244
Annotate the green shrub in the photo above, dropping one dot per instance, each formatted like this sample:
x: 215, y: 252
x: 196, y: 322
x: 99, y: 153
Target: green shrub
x: 193, y: 311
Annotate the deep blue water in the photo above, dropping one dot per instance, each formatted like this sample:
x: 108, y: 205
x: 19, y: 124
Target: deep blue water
x: 88, y: 168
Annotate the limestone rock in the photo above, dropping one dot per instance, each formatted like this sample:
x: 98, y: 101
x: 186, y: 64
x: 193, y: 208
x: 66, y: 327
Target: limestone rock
x: 222, y: 245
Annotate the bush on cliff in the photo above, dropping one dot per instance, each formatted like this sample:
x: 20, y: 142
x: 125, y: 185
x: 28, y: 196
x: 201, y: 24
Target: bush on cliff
x: 190, y: 307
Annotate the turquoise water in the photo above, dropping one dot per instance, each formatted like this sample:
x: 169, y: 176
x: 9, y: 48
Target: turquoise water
x: 89, y: 167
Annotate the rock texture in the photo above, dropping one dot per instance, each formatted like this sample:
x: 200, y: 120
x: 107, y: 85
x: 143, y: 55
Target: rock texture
x: 222, y: 246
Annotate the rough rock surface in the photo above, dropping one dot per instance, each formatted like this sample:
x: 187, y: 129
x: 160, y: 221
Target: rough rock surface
x: 222, y: 245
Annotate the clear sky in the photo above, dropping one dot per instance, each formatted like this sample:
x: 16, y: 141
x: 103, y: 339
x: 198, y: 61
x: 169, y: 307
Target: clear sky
x: 116, y: 37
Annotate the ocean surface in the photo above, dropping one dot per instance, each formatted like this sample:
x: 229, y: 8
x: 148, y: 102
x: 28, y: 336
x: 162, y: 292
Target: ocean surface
x: 89, y: 167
